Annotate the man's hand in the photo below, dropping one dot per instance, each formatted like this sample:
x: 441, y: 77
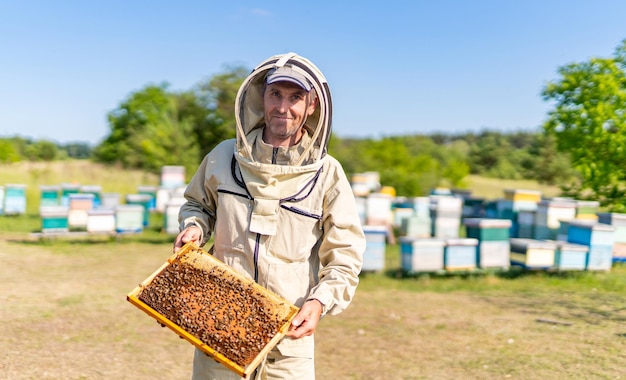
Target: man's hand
x: 191, y: 233
x: 306, y: 320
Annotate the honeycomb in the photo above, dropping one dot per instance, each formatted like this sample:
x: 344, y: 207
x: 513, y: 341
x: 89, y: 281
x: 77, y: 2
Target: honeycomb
x: 233, y: 316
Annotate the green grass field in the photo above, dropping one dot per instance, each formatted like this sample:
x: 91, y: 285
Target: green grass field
x: 65, y: 316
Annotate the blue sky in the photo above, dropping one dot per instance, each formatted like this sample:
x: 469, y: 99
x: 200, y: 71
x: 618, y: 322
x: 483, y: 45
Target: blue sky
x: 394, y: 67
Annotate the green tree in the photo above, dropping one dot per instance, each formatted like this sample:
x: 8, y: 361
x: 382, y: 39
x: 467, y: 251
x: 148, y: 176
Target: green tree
x: 150, y: 129
x: 42, y: 150
x: 215, y: 102
x: 9, y: 152
x: 589, y: 123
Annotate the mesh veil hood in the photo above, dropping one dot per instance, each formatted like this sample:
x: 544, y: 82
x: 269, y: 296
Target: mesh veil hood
x: 249, y: 106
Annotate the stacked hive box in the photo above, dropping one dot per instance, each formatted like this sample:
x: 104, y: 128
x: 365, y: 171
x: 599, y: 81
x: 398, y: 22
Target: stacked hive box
x: 101, y: 220
x: 150, y: 191
x: 172, y: 176
x: 49, y: 196
x: 129, y: 218
x: 66, y: 190
x: 110, y: 200
x: 419, y: 224
x: 460, y: 254
x: 54, y: 219
x: 15, y: 199
x: 587, y: 210
x: 95, y: 190
x: 378, y: 209
x: 570, y: 256
x: 375, y: 244
x: 518, y: 201
x: 143, y: 200
x: 364, y: 184
x: 598, y: 237
x: 493, y: 241
x: 401, y: 214
x: 361, y: 208
x: 446, y: 212
x: 171, y: 214
x: 473, y: 207
x: 526, y: 224
x: 618, y: 221
x: 549, y: 215
x: 562, y: 231
x: 79, y: 205
x: 532, y: 254
x: 422, y: 255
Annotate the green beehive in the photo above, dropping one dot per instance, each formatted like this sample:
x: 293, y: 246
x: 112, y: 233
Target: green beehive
x: 49, y: 196
x: 54, y: 219
x: 487, y: 229
x: 143, y: 200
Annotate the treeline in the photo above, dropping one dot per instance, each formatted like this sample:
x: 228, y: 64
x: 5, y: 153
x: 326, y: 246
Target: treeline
x: 415, y: 164
x: 15, y: 149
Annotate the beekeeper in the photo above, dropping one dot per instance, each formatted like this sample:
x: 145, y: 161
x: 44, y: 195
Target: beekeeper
x: 281, y: 209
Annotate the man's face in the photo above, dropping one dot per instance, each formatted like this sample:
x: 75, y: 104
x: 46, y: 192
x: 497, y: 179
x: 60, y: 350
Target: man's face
x: 286, y: 106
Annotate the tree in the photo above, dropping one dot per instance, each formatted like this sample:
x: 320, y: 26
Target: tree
x: 9, y: 153
x: 216, y: 98
x: 589, y: 123
x: 150, y: 129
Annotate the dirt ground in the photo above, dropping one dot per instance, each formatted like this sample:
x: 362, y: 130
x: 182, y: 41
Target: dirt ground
x: 64, y: 315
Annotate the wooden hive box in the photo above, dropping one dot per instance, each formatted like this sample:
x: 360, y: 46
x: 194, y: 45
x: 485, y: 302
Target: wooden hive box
x: 375, y: 244
x: 460, y: 254
x: 532, y: 254
x: 422, y: 254
x: 225, y: 315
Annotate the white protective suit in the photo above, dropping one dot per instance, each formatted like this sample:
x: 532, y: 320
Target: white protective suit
x: 285, y: 217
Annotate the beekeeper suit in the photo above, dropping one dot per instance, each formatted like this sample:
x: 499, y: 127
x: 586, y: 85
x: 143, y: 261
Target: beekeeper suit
x: 284, y: 216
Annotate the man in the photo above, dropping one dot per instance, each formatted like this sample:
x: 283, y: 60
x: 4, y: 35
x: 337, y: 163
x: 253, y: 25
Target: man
x: 281, y: 209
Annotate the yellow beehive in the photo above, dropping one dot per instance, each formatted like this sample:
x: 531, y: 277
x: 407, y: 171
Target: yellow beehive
x: 227, y: 316
x: 518, y: 195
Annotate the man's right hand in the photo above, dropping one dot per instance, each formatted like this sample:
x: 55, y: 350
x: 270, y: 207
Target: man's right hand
x: 191, y: 233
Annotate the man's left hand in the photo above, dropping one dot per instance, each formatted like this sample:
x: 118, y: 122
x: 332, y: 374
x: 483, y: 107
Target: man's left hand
x: 306, y: 320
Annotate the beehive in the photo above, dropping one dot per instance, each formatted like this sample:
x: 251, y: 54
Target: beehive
x: 15, y: 199
x: 143, y: 200
x: 532, y: 254
x: 375, y: 243
x: 570, y: 256
x: 230, y: 318
x: 422, y: 255
x: 460, y: 254
x: 600, y: 239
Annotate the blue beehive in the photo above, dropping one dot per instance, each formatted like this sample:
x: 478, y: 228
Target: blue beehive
x: 600, y: 239
x: 460, y: 254
x: 375, y: 244
x: 15, y: 199
x: 570, y: 256
x: 422, y: 255
x: 150, y: 191
x: 618, y: 221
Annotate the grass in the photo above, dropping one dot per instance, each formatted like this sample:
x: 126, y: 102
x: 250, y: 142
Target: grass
x: 65, y: 316
x: 493, y: 188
